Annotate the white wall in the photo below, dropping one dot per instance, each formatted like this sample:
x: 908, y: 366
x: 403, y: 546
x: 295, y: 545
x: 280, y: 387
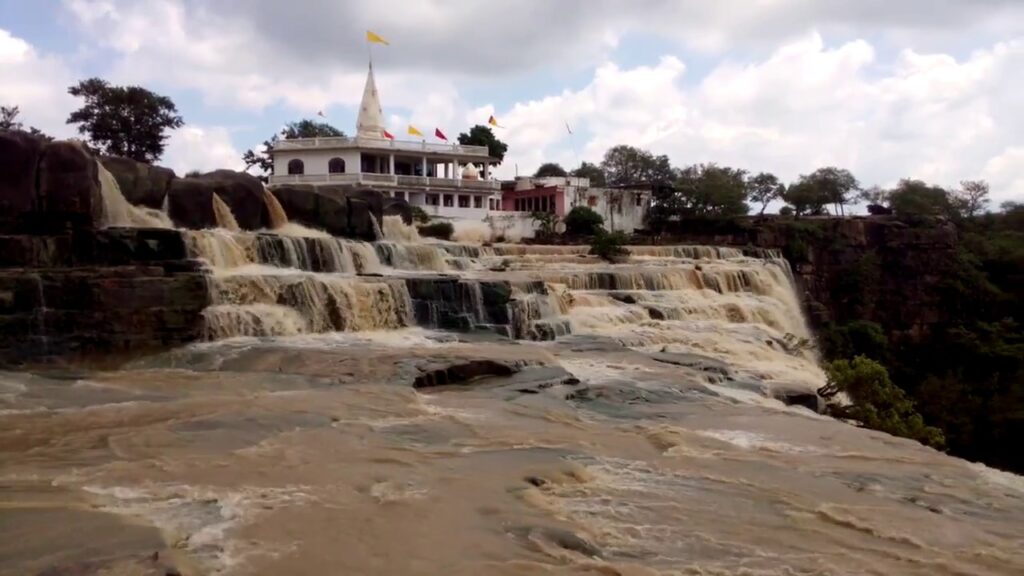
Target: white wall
x: 316, y: 160
x: 624, y: 215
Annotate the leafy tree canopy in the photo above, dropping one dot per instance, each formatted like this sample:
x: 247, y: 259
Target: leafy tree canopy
x: 916, y: 198
x: 550, y: 169
x: 623, y: 165
x: 480, y: 135
x: 875, y: 401
x: 9, y: 121
x: 304, y: 128
x: 127, y: 121
x: 583, y: 221
x: 764, y: 188
x: 592, y: 172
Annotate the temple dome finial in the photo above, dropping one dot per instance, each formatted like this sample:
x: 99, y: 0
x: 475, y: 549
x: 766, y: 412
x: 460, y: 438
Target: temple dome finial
x: 370, y: 123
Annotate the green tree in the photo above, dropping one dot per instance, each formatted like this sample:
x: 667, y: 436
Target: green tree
x: 546, y: 222
x: 9, y: 118
x: 609, y: 246
x: 763, y: 189
x: 483, y: 136
x: 550, y: 169
x: 708, y: 190
x: 582, y: 221
x: 836, y: 185
x: 625, y: 165
x: 592, y: 172
x: 304, y: 128
x: 972, y: 198
x: 875, y: 401
x: 805, y: 198
x: 127, y: 121
x: 915, y: 198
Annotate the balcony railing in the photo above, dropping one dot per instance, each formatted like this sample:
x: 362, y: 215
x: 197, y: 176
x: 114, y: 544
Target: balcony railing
x: 389, y: 180
x: 380, y: 144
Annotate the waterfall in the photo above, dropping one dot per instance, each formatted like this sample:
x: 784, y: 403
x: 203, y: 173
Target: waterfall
x: 377, y: 233
x: 396, y: 230
x: 223, y: 216
x: 119, y: 212
x: 278, y: 218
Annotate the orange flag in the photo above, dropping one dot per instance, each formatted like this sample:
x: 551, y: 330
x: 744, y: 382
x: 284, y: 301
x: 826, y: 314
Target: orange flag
x: 493, y: 122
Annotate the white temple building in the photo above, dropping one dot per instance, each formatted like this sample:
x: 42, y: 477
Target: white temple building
x: 446, y: 180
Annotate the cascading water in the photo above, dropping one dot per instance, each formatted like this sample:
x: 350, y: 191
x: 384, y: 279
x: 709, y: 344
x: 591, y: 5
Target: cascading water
x: 278, y: 218
x: 119, y: 212
x: 223, y: 216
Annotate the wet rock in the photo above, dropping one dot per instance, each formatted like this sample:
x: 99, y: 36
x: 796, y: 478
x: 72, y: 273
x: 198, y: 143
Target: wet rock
x: 797, y: 397
x: 141, y: 184
x: 20, y: 153
x: 305, y: 205
x: 398, y: 207
x: 190, y: 200
x: 559, y: 537
x: 535, y: 481
x: 463, y: 372
x: 695, y: 361
x: 69, y: 187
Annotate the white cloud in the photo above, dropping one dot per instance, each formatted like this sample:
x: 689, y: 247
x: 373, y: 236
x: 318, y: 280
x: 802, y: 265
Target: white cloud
x: 37, y: 84
x: 198, y: 148
x: 806, y: 105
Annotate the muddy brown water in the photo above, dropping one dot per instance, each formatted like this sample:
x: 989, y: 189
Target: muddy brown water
x: 631, y: 445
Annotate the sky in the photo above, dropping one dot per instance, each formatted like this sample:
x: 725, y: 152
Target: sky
x: 929, y: 89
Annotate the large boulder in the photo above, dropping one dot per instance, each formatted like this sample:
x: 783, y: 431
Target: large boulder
x: 398, y: 207
x: 141, y: 184
x: 190, y: 200
x: 69, y: 186
x: 19, y: 163
x: 305, y: 205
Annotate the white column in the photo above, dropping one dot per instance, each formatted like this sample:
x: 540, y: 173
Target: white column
x: 391, y: 164
x: 455, y: 173
x: 424, y: 163
x: 487, y: 170
x: 446, y: 170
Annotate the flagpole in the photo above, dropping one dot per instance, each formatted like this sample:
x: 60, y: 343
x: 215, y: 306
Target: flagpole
x: 572, y: 143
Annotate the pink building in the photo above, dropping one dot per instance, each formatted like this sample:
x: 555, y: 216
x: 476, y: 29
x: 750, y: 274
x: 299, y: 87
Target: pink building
x: 554, y: 194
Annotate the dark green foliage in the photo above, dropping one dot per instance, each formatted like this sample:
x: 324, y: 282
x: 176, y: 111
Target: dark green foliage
x: 9, y: 121
x: 764, y: 189
x: 786, y: 210
x: 914, y: 198
x: 805, y: 199
x: 582, y: 221
x: 546, y: 222
x: 127, y: 121
x: 628, y: 165
x: 609, y: 246
x: 550, y: 169
x: 419, y: 215
x: 875, y: 401
x: 592, y: 172
x: 442, y: 230
x: 966, y: 376
x: 193, y: 174
x: 701, y: 191
x: 858, y: 338
x: 483, y: 136
x: 304, y: 128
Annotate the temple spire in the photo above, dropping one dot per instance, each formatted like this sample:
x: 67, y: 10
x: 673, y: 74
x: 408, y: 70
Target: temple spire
x: 370, y: 123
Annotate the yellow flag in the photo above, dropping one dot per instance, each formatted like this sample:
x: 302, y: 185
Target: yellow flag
x: 413, y: 131
x: 371, y: 37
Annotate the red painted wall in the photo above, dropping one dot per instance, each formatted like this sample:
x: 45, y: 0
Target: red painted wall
x: 509, y: 197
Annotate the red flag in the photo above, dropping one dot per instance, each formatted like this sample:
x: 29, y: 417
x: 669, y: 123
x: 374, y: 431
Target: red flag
x: 440, y: 135
x: 388, y: 135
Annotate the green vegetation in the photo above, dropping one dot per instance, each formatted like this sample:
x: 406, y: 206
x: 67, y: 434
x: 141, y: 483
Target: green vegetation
x: 419, y: 215
x: 550, y: 169
x: 9, y: 121
x: 546, y: 222
x: 480, y: 135
x: 609, y: 246
x: 592, y: 172
x: 442, y: 230
x: 875, y: 401
x: 302, y: 129
x: 965, y: 374
x: 127, y: 121
x: 582, y: 221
